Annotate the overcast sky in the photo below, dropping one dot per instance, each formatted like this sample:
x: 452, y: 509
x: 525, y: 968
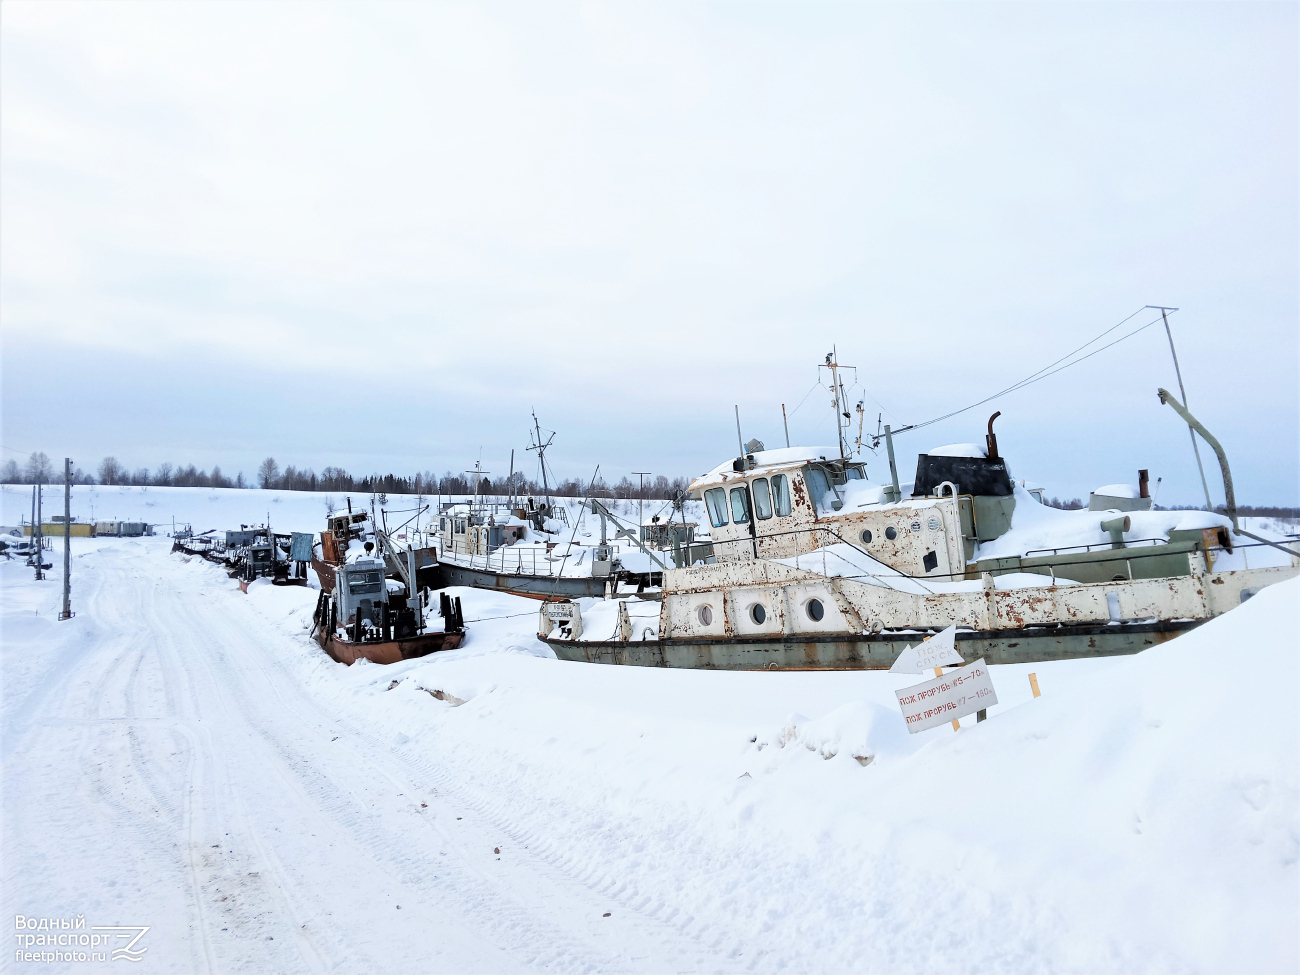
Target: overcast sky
x: 378, y: 235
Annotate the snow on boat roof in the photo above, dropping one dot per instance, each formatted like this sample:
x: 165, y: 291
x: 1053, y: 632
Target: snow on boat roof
x: 1118, y: 491
x: 778, y: 457
x: 958, y: 450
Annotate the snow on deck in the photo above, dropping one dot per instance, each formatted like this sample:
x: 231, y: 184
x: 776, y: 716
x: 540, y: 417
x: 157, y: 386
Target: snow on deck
x: 1037, y: 528
x: 181, y: 755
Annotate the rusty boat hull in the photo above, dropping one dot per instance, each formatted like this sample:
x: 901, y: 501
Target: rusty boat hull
x: 873, y: 651
x: 390, y: 651
x: 523, y: 584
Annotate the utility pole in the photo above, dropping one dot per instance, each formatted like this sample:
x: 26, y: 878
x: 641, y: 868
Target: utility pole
x: 640, y: 506
x: 37, y: 533
x: 785, y: 422
x: 67, y: 539
x: 1182, y: 389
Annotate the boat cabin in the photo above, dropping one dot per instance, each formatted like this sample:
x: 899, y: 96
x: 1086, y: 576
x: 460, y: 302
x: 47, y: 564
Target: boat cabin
x: 361, y: 588
x: 791, y: 501
x: 481, y: 529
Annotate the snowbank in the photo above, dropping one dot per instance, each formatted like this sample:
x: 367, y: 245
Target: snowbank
x: 1141, y: 815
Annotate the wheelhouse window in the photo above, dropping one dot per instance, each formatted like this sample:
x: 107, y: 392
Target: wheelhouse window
x: 762, y: 499
x: 715, y: 500
x: 781, y: 494
x: 364, y: 583
x: 739, y: 505
x: 818, y: 484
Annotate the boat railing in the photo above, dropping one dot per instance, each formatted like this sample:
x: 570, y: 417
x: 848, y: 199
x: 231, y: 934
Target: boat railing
x: 524, y: 560
x: 1097, y: 547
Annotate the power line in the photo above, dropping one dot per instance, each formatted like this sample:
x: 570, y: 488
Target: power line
x: 1050, y: 369
x: 806, y: 395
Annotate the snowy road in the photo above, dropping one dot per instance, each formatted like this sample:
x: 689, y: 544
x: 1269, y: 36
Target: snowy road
x: 163, y: 768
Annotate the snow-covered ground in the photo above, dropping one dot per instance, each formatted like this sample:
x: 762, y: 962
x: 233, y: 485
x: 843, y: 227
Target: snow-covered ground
x: 288, y: 511
x: 181, y: 756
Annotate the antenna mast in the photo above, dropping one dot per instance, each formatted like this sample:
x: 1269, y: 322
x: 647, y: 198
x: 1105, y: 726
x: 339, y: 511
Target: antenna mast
x: 839, y: 400
x: 478, y: 473
x: 541, y: 456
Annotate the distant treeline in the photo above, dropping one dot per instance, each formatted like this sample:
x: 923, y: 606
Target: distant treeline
x: 40, y: 469
x: 1243, y: 510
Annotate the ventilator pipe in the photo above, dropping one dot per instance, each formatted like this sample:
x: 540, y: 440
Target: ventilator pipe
x: 894, y: 492
x: 1117, y: 527
x: 1195, y: 424
x: 991, y: 441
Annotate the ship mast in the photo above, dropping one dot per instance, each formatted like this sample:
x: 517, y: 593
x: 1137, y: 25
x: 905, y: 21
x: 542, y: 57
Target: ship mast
x: 839, y: 400
x: 478, y: 473
x: 540, y: 447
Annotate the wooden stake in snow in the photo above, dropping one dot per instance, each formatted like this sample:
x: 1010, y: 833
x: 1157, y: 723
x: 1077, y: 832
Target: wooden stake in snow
x: 1033, y: 684
x: 938, y: 672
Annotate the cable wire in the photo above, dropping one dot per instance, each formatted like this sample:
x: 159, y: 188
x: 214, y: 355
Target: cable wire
x: 1050, y: 369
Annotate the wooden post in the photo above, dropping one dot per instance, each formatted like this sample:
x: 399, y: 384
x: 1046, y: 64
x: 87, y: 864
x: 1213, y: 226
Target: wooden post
x: 938, y: 672
x: 1033, y: 684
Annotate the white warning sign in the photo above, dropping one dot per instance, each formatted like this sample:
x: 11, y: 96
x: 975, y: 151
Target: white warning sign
x: 954, y: 695
x: 938, y: 651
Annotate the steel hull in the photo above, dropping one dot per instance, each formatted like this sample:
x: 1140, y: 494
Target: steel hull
x: 873, y: 652
x: 535, y: 587
x: 390, y: 652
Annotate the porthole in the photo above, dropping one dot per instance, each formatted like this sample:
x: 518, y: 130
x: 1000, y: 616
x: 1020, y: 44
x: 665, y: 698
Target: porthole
x: 891, y: 533
x: 705, y: 615
x: 757, y: 613
x: 934, y: 524
x: 866, y: 536
x: 815, y: 610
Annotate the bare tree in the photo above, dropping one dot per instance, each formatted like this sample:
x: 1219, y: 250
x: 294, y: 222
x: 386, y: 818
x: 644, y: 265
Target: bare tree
x: 39, y: 468
x: 11, y: 474
x: 164, y: 473
x: 141, y: 476
x: 268, y: 472
x: 110, y: 471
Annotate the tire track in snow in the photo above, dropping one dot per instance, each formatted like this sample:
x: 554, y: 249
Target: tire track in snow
x: 395, y: 768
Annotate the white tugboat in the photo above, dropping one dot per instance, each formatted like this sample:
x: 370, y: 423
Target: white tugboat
x: 817, y: 568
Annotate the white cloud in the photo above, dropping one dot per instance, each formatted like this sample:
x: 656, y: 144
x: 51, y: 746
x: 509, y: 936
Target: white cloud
x: 657, y: 211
